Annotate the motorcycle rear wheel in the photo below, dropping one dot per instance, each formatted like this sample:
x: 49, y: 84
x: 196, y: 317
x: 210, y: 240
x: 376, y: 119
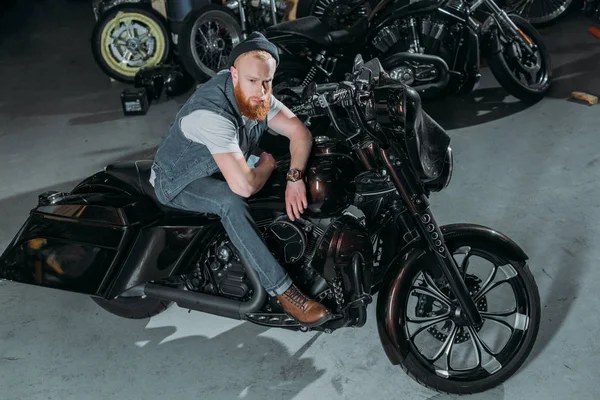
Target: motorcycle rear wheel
x: 204, y: 52
x: 503, y: 65
x: 491, y: 369
x: 128, y: 37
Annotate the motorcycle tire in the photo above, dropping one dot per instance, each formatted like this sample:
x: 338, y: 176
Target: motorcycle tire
x: 416, y: 364
x: 187, y: 40
x: 112, y: 42
x: 499, y: 65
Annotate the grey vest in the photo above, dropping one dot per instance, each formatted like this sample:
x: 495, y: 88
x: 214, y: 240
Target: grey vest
x: 179, y: 160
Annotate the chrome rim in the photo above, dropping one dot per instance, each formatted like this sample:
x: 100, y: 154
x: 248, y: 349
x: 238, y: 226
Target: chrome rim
x: 457, y: 352
x: 213, y: 38
x: 130, y: 41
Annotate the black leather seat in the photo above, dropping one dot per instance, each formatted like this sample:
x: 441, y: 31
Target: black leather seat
x: 137, y: 175
x: 314, y: 30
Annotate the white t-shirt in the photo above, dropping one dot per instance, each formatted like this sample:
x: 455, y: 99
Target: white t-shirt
x: 216, y: 132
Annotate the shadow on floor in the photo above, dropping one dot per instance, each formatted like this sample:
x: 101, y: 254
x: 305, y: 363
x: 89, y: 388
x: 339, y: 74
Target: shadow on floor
x: 579, y: 75
x: 560, y: 297
x: 144, y: 362
x: 479, y: 107
x: 493, y: 394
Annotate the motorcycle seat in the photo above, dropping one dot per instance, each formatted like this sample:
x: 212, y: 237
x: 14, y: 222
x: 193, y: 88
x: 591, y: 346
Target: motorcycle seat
x: 137, y: 175
x: 314, y: 30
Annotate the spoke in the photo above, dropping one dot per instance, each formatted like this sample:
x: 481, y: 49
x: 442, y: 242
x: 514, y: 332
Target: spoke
x: 127, y: 55
x: 532, y: 76
x: 492, y: 366
x: 508, y: 271
x: 435, y: 289
x: 423, y: 290
x: 521, y: 321
x: 203, y: 36
x: 427, y: 322
x: 447, y: 347
x: 500, y: 314
x: 464, y: 265
x: 489, y: 289
x: 498, y: 320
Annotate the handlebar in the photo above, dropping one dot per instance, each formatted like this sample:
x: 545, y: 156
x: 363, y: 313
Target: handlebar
x: 323, y: 97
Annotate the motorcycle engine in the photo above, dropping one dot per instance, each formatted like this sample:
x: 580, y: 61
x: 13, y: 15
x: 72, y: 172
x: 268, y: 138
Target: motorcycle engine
x: 293, y: 244
x: 426, y: 35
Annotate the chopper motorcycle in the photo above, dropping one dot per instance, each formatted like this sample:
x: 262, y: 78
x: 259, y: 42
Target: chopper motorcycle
x: 433, y: 46
x: 111, y: 239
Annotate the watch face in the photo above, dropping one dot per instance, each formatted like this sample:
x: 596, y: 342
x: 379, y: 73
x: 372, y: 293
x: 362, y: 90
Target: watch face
x: 293, y: 174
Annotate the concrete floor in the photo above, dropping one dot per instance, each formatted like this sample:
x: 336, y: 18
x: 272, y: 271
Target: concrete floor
x: 60, y: 120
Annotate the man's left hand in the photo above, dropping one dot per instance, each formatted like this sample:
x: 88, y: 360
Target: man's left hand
x: 295, y: 199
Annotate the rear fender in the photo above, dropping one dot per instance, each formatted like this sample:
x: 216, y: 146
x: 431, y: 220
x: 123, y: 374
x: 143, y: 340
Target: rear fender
x: 387, y: 301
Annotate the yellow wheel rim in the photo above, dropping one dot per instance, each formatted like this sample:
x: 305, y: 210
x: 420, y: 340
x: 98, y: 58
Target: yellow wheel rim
x: 130, y: 41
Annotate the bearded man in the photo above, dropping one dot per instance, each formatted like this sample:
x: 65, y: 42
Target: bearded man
x: 217, y: 130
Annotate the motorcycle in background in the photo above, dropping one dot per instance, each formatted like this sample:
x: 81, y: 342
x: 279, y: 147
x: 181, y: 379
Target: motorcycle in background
x: 336, y: 13
x: 433, y: 46
x: 128, y: 36
x: 209, y: 33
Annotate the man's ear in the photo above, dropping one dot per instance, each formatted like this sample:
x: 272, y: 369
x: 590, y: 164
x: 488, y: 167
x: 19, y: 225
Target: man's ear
x: 234, y: 75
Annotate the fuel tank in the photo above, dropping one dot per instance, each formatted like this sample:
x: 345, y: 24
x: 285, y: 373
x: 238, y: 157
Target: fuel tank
x: 329, y: 175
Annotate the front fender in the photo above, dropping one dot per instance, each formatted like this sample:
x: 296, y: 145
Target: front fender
x: 388, y: 306
x: 485, y: 236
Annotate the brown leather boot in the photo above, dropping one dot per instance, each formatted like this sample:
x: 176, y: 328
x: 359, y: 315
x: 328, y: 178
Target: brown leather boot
x: 306, y: 311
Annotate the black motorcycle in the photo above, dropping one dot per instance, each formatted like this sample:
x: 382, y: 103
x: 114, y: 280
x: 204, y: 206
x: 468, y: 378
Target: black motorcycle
x: 111, y: 239
x: 433, y: 46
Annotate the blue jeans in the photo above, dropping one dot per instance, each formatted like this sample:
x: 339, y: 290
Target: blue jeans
x: 214, y: 196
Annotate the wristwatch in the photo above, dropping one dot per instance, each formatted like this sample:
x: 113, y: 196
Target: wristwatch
x: 293, y: 175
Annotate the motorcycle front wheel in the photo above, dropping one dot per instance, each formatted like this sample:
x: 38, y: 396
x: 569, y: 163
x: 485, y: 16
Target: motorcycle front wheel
x: 526, y: 78
x: 127, y: 38
x: 207, y: 37
x: 444, y: 353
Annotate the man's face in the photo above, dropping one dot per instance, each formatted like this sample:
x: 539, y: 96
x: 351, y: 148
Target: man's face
x: 252, y: 81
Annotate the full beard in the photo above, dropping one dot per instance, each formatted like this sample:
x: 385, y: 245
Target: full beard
x: 257, y: 112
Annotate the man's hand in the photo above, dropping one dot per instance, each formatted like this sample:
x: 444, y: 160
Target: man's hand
x: 267, y: 159
x: 295, y: 199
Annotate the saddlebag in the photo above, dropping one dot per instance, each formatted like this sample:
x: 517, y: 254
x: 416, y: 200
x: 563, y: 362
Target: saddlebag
x: 76, y: 242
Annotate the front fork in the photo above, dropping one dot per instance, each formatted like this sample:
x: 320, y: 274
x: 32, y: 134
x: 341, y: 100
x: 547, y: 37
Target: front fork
x: 503, y: 19
x: 418, y: 207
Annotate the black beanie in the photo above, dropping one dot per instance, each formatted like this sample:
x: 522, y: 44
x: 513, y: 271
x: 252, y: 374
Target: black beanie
x: 255, y: 41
